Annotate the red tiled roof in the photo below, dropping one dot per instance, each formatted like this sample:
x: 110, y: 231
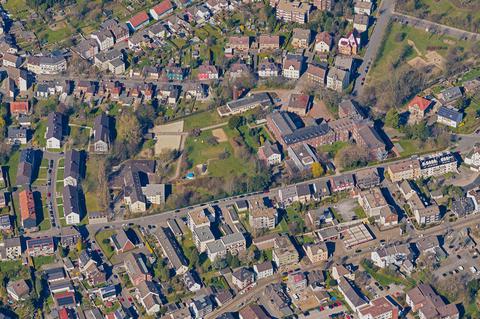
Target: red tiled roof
x: 162, y: 7
x: 421, y: 102
x: 19, y: 107
x: 138, y: 19
x: 27, y: 205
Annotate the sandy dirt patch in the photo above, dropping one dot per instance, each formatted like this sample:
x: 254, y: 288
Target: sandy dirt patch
x: 220, y: 135
x: 175, y: 127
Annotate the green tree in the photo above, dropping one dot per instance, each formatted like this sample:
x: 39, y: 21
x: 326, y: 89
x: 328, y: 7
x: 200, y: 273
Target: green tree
x: 392, y: 118
x: 317, y: 170
x: 235, y: 122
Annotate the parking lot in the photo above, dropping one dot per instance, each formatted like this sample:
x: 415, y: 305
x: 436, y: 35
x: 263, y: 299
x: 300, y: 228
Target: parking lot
x: 464, y: 262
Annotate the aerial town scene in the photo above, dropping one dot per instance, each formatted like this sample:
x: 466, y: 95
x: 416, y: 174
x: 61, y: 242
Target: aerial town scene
x: 240, y: 159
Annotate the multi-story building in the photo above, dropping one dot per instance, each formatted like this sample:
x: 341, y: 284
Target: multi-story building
x: 437, y: 164
x: 407, y: 169
x: 284, y: 252
x: 429, y: 304
x: 316, y: 252
x: 294, y: 11
x: 40, y: 246
x: 380, y: 308
x: 46, y: 64
x: 260, y: 217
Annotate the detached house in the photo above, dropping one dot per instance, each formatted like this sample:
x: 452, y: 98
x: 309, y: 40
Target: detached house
x: 449, y: 116
x: 301, y: 38
x: 270, y: 153
x: 268, y: 42
x: 323, y: 42
x: 102, y: 133
x: 317, y: 74
x: 350, y: 45
x: 73, y: 167
x: 207, y: 72
x: 417, y: 108
x: 71, y: 205
x: 162, y: 9
x: 138, y: 21
x: 337, y: 79
x: 293, y: 67
x: 104, y: 39
x: 55, y: 130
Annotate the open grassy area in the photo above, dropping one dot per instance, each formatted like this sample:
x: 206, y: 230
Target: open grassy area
x: 12, y: 165
x: 411, y: 147
x: 470, y: 119
x: 220, y: 157
x: 202, y: 119
x: 398, y: 43
x: 91, y: 197
x: 43, y: 260
x: 385, y: 278
x: 106, y: 247
x: 449, y: 12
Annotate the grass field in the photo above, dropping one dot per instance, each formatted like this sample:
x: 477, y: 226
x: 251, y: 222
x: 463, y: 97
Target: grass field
x: 43, y: 260
x: 91, y: 197
x: 448, y: 13
x: 396, y: 42
x: 199, y: 151
x: 12, y: 165
x: 106, y: 248
x: 201, y: 119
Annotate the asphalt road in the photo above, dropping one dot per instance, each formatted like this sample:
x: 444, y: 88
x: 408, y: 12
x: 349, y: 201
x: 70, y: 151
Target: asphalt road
x: 433, y: 27
x: 385, y: 11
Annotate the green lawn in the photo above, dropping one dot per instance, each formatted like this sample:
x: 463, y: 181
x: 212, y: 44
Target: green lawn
x: 395, y: 45
x: 39, y: 135
x: 12, y: 165
x: 470, y: 121
x: 202, y: 119
x: 411, y: 147
x: 447, y: 12
x: 106, y: 247
x: 39, y: 261
x: 332, y: 149
x: 91, y: 197
x: 385, y: 279
x: 199, y: 151
x: 360, y: 212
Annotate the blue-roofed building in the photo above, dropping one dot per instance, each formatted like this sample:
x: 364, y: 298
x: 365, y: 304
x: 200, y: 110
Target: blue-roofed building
x: 449, y: 116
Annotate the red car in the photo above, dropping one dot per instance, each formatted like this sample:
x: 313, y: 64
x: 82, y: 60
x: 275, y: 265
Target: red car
x: 130, y: 299
x: 122, y: 299
x: 49, y: 194
x: 321, y: 309
x: 338, y: 303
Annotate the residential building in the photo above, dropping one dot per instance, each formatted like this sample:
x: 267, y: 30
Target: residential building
x: 154, y: 193
x: 323, y: 42
x: 284, y: 252
x: 472, y: 158
x: 261, y: 217
x: 337, y: 79
x: 201, y: 306
x: 342, y: 183
x: 293, y: 67
x: 27, y: 210
x: 361, y: 22
x: 367, y: 178
x: 253, y: 312
x: 270, y: 153
x: 302, y: 155
x: 40, y: 246
x: 301, y: 38
x: 198, y: 218
x: 294, y: 11
x: 299, y: 104
x: 102, y: 132
x: 404, y: 170
x: 172, y: 250
x: 18, y: 289
x: 202, y: 236
x: 349, y: 45
x: 391, y: 255
x: 27, y: 167
x: 316, y: 252
x: 10, y: 248
x: 19, y: 107
x: 354, y: 298
x: 324, y: 5
x: 239, y: 43
x: 417, y: 108
x: 372, y: 201
x: 263, y: 270
x: 297, y: 281
x: 449, y: 116
x: 46, y: 64
x: 72, y: 206
x: 104, y: 39
x: 138, y: 21
x: 380, y: 308
x: 136, y: 268
x: 17, y: 135
x: 207, y: 72
x: 363, y: 7
x: 162, y: 9
x: 245, y: 104
x: 72, y: 168
x: 268, y: 42
x: 55, y: 130
x: 191, y: 282
x: 121, y: 242
x: 267, y: 69
x: 316, y: 74
x: 429, y: 304
x: 242, y: 278
x: 437, y: 164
